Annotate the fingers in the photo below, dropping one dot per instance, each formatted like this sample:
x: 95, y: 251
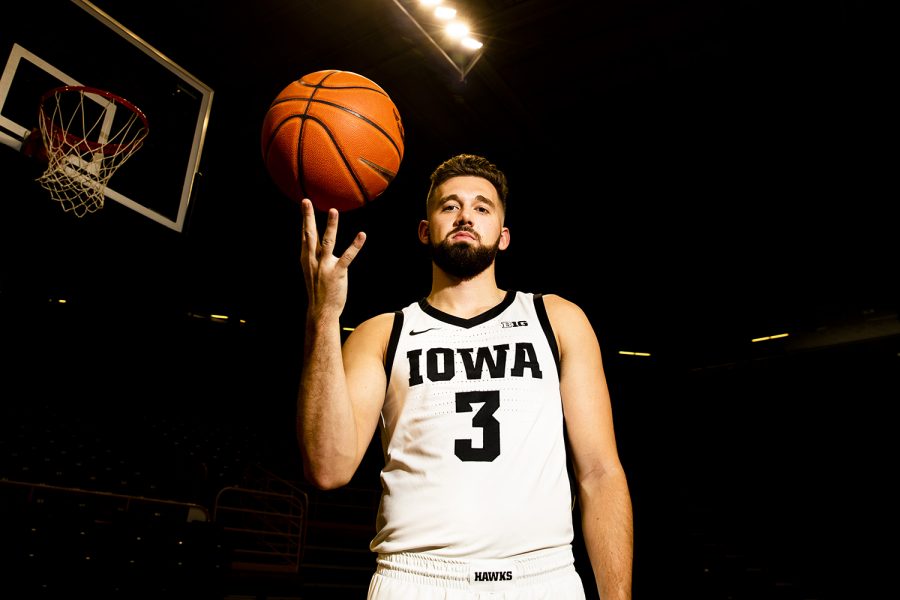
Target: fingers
x: 330, y: 234
x: 325, y: 247
x: 310, y: 235
x: 353, y: 249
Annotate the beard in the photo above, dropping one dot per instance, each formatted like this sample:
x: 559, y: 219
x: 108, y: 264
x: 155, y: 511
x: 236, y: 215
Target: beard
x: 463, y: 260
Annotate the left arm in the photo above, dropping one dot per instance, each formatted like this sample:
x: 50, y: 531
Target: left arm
x: 606, y: 511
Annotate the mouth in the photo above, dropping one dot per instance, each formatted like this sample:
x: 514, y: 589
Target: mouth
x: 463, y: 234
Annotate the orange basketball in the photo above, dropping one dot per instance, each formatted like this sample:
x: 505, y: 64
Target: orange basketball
x: 334, y: 137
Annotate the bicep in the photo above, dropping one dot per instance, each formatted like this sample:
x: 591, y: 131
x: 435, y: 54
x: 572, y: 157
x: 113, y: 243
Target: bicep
x: 363, y: 355
x: 585, y: 394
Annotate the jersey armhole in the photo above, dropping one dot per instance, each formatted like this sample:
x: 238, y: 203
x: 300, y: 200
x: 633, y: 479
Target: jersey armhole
x: 544, y: 320
x: 541, y: 310
x: 392, y: 344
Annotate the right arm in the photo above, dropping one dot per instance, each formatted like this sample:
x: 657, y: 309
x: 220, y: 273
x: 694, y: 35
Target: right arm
x: 341, y: 389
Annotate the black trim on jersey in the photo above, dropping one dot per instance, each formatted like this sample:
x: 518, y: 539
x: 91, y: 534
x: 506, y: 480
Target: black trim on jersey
x: 392, y: 344
x: 544, y: 319
x: 548, y: 330
x: 467, y: 323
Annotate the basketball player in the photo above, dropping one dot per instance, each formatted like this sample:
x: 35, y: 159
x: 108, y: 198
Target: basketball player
x: 471, y: 387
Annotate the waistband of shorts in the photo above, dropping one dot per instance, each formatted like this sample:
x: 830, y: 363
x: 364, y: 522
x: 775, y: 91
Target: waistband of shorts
x: 533, y: 564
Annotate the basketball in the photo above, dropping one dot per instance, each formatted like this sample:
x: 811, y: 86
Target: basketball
x: 334, y: 137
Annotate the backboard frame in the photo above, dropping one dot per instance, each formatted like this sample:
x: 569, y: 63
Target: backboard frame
x: 13, y: 133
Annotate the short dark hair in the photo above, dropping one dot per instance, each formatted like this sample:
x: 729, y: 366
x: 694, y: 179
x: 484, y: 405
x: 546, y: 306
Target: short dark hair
x: 469, y: 164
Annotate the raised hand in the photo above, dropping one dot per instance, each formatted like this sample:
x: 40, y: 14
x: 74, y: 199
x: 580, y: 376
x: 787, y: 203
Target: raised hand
x: 324, y: 273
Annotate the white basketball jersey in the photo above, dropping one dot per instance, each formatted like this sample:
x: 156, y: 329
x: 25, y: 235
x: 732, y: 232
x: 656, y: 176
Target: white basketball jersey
x: 472, y: 432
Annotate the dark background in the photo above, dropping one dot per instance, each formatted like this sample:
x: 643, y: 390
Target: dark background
x: 693, y: 174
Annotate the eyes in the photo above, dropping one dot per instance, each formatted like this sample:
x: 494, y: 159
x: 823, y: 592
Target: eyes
x: 453, y: 207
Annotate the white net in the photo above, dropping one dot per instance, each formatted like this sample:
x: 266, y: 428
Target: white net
x: 88, y: 134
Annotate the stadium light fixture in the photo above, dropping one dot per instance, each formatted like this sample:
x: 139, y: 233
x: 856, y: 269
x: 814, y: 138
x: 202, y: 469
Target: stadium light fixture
x: 448, y: 32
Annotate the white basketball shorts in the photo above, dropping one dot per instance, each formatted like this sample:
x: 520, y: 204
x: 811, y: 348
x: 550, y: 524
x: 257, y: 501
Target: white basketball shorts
x: 542, y: 575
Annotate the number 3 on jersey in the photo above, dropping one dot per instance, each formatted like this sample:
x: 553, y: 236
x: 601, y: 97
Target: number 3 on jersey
x: 484, y: 418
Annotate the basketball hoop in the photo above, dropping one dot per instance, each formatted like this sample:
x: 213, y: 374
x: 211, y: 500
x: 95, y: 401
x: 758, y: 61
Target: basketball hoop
x: 88, y: 133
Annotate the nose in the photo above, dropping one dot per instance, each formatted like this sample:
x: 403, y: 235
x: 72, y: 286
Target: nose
x: 464, y: 216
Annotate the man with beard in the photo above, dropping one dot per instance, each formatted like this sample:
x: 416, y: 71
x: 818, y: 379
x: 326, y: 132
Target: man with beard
x: 476, y: 390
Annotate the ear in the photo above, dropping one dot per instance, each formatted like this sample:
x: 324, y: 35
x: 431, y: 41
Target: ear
x: 504, y: 238
x: 423, y: 231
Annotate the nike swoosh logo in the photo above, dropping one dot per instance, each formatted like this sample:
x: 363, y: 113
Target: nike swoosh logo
x: 423, y: 331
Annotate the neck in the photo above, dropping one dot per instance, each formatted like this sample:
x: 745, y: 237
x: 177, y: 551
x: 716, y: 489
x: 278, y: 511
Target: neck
x: 467, y: 298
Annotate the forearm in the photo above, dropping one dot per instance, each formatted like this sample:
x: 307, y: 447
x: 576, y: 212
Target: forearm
x: 326, y: 426
x: 607, y: 523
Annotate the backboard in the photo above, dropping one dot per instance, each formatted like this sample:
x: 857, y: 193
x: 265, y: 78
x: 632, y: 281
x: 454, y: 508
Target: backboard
x: 73, y: 42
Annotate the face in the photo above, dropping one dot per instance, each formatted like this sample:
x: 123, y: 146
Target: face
x: 464, y: 230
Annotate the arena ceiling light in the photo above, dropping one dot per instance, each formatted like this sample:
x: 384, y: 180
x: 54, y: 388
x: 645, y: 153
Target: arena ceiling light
x: 448, y: 31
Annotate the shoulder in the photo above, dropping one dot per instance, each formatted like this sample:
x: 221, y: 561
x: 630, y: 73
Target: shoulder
x: 563, y: 311
x: 569, y: 322
x: 377, y: 325
x: 373, y: 333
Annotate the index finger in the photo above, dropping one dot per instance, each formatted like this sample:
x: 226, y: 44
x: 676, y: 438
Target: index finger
x: 310, y: 234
